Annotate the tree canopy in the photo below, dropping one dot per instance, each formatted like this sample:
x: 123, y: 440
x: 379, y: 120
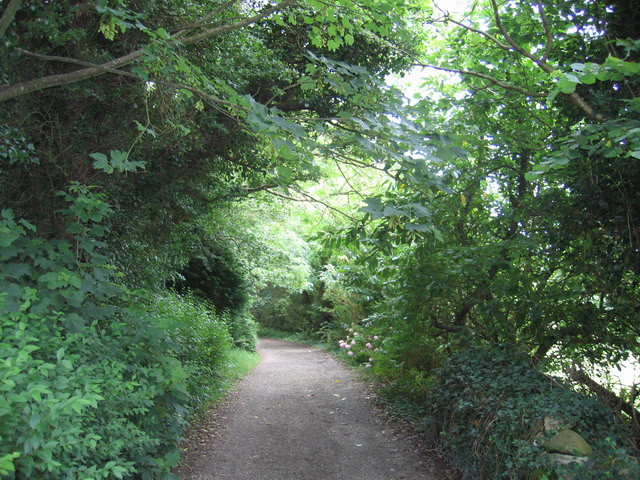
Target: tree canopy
x: 163, y: 162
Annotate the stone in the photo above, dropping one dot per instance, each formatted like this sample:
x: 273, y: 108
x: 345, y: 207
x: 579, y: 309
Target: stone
x: 568, y: 442
x: 553, y: 425
x: 562, y: 459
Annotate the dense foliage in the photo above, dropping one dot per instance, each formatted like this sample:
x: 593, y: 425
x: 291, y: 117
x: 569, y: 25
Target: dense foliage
x: 494, y: 404
x: 152, y: 158
x: 92, y: 385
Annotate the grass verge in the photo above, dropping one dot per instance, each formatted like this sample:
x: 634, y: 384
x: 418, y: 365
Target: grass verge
x: 237, y: 364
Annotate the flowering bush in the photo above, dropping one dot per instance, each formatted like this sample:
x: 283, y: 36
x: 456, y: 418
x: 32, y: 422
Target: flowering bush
x: 361, y: 346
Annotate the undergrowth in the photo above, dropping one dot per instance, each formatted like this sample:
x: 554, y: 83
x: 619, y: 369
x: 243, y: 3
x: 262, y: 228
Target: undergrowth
x: 98, y: 381
x: 300, y: 337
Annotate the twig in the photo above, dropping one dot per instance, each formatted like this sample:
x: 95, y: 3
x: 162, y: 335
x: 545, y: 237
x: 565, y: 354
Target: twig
x: 547, y: 30
x: 309, y: 198
x: 204, y: 20
x: 491, y: 79
x: 347, y: 180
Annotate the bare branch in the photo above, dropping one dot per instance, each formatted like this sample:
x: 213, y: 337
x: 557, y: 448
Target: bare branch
x: 30, y: 86
x: 8, y: 15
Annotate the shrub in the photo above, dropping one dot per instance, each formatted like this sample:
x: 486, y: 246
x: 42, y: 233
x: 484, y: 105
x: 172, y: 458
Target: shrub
x: 243, y: 329
x: 487, y: 407
x: 90, y: 384
x: 201, y: 340
x: 361, y: 346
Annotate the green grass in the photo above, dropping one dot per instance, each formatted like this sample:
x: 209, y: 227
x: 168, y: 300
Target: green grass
x: 237, y: 364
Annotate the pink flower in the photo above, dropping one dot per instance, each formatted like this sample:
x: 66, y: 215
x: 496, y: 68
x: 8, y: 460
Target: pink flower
x: 350, y: 353
x: 351, y: 329
x: 376, y: 349
x: 375, y: 337
x: 347, y: 346
x: 353, y: 342
x: 355, y: 334
x: 369, y: 345
x: 370, y: 359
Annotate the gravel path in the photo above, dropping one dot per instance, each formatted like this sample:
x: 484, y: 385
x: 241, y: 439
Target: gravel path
x: 300, y: 415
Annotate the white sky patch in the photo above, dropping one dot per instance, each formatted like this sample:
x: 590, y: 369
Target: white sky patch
x: 451, y: 6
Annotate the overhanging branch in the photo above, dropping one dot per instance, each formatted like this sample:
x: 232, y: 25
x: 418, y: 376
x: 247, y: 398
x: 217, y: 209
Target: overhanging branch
x: 30, y: 86
x: 491, y: 79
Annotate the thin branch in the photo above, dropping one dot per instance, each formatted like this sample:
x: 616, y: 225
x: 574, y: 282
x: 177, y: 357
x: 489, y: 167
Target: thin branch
x: 8, y: 15
x: 198, y: 37
x: 547, y: 31
x: 73, y: 61
x: 356, y: 162
x: 276, y: 95
x: 244, y: 192
x: 347, y: 180
x: 30, y: 86
x: 491, y: 79
x: 309, y: 198
x: 315, y: 200
x: 576, y: 99
x: 538, y: 61
x: 480, y: 32
x: 204, y: 20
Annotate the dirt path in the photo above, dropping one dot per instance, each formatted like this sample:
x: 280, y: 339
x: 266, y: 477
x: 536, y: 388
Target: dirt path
x: 300, y: 415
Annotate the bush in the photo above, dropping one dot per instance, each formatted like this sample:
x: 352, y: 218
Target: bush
x: 243, y: 329
x: 91, y: 386
x: 201, y: 340
x: 488, y: 406
x: 361, y: 346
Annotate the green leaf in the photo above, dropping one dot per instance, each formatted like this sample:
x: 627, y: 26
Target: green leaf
x: 567, y: 83
x: 6, y: 463
x: 333, y: 44
x: 101, y: 162
x: 307, y: 83
x: 141, y: 72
